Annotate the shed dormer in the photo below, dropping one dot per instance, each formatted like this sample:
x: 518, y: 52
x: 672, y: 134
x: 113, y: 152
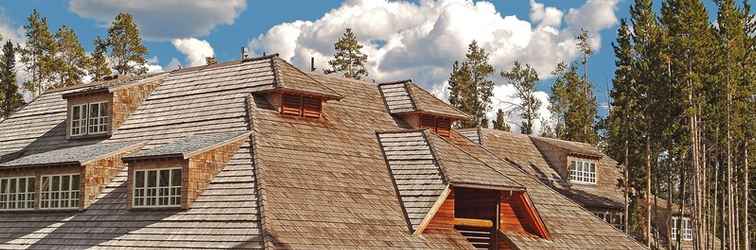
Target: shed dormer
x: 98, y: 110
x: 296, y: 94
x: 419, y: 108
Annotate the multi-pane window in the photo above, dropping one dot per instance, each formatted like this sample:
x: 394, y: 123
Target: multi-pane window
x: 98, y: 118
x: 59, y: 191
x: 683, y: 224
x: 89, y: 118
x: 17, y: 193
x: 157, y: 188
x: 583, y: 171
x: 78, y: 119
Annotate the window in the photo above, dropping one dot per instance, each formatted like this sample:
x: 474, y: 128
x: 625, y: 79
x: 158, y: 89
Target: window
x: 157, y: 188
x: 78, y: 120
x: 687, y: 228
x: 98, y: 118
x: 89, y: 118
x: 59, y: 191
x: 301, y: 106
x: 440, y: 125
x: 583, y: 171
x: 17, y: 193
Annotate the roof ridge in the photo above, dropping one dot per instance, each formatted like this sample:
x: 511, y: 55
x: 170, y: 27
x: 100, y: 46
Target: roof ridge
x: 320, y: 84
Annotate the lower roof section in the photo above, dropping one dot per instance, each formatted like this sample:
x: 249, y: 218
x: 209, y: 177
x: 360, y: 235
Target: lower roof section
x: 79, y: 155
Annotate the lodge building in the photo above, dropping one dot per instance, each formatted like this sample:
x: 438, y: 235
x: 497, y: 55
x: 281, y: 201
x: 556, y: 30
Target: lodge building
x: 256, y: 153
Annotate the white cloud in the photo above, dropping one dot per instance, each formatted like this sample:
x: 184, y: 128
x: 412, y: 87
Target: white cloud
x: 194, y: 49
x: 164, y: 19
x: 153, y: 65
x: 421, y: 40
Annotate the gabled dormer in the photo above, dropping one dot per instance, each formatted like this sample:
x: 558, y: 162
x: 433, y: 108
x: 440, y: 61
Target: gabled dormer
x: 442, y: 188
x: 97, y: 111
x: 576, y: 162
x: 294, y: 93
x: 418, y: 108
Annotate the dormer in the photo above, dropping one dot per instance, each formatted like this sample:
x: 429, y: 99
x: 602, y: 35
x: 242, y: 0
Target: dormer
x: 443, y: 188
x: 418, y: 108
x: 100, y: 109
x: 294, y: 93
x: 173, y: 175
x: 576, y: 162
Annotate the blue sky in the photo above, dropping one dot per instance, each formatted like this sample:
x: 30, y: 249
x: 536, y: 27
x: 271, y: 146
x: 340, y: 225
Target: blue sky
x: 417, y: 53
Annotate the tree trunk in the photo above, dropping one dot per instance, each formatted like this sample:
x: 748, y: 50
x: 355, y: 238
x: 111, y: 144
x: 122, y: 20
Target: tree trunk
x: 627, y: 186
x: 745, y: 198
x: 648, y: 190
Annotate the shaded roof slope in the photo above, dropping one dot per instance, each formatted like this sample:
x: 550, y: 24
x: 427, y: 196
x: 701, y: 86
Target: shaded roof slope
x: 187, y: 146
x: 206, y: 99
x: 71, y: 156
x: 571, y: 147
x: 427, y: 102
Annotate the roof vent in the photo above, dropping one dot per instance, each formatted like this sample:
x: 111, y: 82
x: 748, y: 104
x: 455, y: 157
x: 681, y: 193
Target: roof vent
x: 244, y: 53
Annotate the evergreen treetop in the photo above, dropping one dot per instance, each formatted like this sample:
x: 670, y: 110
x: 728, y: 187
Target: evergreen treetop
x: 348, y: 59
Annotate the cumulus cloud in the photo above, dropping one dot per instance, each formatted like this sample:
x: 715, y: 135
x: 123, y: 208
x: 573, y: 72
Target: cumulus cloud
x: 195, y: 50
x: 164, y: 19
x: 420, y: 40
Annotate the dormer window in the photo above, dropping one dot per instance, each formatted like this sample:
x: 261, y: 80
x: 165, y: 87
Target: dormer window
x: 60, y: 191
x: 157, y: 188
x: 98, y: 118
x: 298, y: 105
x: 682, y: 223
x: 17, y: 193
x: 439, y: 125
x: 89, y: 119
x: 583, y: 171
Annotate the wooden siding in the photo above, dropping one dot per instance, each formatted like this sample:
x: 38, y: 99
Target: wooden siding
x: 444, y: 217
x: 95, y: 176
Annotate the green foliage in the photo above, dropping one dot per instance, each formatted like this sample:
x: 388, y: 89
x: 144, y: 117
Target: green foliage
x: 501, y: 121
x: 10, y: 99
x: 38, y: 55
x: 470, y: 88
x: 524, y: 79
x: 126, y: 48
x: 348, y: 58
x: 98, y: 64
x: 71, y: 61
x: 573, y: 106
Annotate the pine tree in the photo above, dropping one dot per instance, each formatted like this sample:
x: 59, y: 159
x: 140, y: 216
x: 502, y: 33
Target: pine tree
x: 572, y: 109
x: 126, y: 48
x: 348, y: 59
x: 71, y: 61
x: 38, y: 55
x: 524, y: 79
x: 10, y: 99
x: 98, y: 64
x: 470, y: 88
x: 501, y: 121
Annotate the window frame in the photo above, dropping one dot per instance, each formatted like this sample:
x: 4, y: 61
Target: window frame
x: 29, y: 204
x: 70, y: 191
x: 581, y: 174
x: 82, y: 119
x: 157, y: 188
x: 102, y: 118
x: 681, y: 222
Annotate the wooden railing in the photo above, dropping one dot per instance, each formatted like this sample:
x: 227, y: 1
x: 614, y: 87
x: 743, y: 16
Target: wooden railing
x: 479, y: 232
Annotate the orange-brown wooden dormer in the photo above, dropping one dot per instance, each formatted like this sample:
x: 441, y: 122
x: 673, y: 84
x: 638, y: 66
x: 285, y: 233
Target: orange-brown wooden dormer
x: 419, y: 108
x: 99, y: 110
x: 294, y: 93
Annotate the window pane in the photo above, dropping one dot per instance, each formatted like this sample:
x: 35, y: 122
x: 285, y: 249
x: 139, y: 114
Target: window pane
x: 152, y: 178
x: 176, y: 179
x: 139, y: 179
x: 165, y: 174
x: 75, y: 182
x: 55, y: 183
x: 65, y: 184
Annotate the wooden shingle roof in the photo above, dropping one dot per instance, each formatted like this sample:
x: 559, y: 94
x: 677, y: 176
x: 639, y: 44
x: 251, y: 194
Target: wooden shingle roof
x: 187, y: 146
x: 78, y: 156
x: 407, y: 97
x: 295, y: 183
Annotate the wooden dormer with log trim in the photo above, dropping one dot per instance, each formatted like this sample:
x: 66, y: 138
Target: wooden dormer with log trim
x: 99, y: 110
x: 419, y: 108
x: 459, y: 193
x: 295, y: 93
x: 175, y: 174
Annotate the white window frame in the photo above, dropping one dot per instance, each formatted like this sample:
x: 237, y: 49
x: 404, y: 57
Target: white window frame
x: 687, y: 228
x: 18, y: 200
x: 82, y: 119
x: 99, y: 123
x: 580, y: 171
x: 147, y: 193
x: 72, y: 197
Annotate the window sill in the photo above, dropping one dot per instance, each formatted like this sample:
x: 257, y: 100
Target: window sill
x: 89, y: 136
x: 166, y: 208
